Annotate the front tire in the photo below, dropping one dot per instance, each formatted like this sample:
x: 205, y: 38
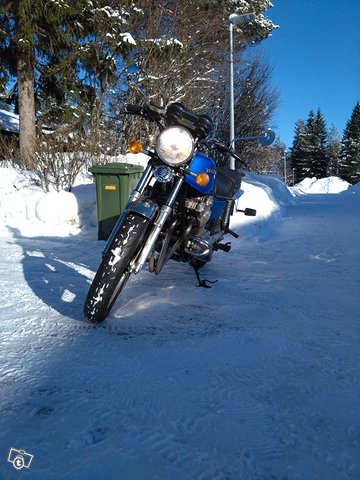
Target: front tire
x: 113, y: 272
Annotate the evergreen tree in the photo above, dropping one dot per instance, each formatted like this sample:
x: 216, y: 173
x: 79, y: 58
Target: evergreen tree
x: 315, y: 148
x: 309, y: 145
x: 298, y: 149
x: 309, y: 152
x: 349, y: 165
x: 320, y: 159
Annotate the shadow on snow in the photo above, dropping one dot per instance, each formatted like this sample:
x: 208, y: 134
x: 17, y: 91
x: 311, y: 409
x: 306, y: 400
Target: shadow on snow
x: 59, y: 270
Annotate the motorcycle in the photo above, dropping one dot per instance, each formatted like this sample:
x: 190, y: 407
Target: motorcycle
x: 180, y: 209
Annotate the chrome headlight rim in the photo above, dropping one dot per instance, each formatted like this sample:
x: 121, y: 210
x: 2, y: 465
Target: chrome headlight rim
x: 167, y: 153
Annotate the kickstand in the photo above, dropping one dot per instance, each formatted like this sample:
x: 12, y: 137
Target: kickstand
x: 202, y: 283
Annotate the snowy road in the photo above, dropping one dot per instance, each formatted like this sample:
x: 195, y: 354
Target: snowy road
x: 256, y: 378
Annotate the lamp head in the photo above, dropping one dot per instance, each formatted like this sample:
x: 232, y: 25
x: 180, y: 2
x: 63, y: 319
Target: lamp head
x: 236, y: 19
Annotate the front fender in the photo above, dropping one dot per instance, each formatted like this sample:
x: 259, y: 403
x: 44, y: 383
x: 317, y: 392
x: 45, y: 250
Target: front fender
x: 142, y: 206
x: 145, y: 207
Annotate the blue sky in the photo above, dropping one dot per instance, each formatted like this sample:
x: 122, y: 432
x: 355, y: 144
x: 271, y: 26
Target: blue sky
x: 316, y: 59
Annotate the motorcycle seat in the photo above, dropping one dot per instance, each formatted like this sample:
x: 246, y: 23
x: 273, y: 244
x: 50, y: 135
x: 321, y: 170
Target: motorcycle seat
x: 227, y: 182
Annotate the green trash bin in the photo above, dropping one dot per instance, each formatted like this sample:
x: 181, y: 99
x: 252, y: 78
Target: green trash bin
x: 114, y: 184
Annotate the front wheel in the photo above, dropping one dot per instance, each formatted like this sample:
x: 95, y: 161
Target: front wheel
x: 114, y: 272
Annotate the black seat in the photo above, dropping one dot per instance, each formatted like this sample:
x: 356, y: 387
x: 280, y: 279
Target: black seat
x: 227, y: 182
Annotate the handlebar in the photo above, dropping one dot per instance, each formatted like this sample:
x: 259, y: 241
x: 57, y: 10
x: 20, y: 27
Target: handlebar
x: 150, y: 112
x: 224, y: 149
x: 178, y: 115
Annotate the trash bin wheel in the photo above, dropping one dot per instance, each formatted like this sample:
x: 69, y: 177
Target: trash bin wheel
x: 113, y: 272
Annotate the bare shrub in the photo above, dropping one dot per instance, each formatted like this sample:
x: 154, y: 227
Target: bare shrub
x: 59, y: 159
x: 9, y: 150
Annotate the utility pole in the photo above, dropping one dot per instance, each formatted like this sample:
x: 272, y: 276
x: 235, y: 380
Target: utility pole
x: 234, y: 19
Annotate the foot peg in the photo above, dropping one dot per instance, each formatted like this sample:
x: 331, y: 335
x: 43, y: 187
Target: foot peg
x: 235, y: 235
x: 250, y: 212
x: 225, y: 247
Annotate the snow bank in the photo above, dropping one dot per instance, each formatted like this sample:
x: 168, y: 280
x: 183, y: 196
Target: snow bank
x: 27, y: 208
x: 32, y: 212
x: 320, y: 186
x: 135, y: 159
x: 267, y: 194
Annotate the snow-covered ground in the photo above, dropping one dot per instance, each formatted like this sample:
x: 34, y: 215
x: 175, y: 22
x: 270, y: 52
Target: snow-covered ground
x: 256, y: 378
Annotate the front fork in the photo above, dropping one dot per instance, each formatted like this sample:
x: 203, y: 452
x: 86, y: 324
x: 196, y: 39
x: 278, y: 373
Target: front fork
x: 158, y: 225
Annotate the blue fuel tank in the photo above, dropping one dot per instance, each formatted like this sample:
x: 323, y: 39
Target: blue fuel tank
x: 202, y: 163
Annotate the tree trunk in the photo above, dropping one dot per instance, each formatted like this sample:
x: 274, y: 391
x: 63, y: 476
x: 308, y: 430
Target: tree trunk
x: 25, y: 74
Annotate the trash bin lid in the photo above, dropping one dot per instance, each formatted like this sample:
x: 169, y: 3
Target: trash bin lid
x: 116, y: 168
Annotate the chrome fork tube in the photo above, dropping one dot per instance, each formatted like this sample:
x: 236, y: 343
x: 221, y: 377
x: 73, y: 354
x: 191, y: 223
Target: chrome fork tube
x: 157, y: 227
x: 144, y: 180
x: 136, y: 193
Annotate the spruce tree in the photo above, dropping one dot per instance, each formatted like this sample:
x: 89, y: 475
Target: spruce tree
x: 298, y: 149
x: 320, y: 159
x: 309, y: 152
x: 309, y: 145
x: 349, y: 165
x: 315, y: 148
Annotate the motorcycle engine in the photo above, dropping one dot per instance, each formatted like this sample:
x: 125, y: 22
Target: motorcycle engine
x: 200, y: 209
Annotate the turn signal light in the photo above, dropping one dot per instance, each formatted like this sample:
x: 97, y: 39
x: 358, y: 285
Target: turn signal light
x: 135, y: 146
x: 202, y: 179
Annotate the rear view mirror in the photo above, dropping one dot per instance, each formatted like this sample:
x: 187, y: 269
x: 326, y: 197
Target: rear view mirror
x: 267, y: 137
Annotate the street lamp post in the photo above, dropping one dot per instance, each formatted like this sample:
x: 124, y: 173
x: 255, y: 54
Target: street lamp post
x: 234, y: 19
x: 285, y: 168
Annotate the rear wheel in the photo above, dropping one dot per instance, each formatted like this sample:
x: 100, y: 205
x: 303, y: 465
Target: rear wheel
x: 114, y: 272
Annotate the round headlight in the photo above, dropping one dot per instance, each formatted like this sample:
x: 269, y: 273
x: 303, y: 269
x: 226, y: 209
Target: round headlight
x: 175, y: 145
